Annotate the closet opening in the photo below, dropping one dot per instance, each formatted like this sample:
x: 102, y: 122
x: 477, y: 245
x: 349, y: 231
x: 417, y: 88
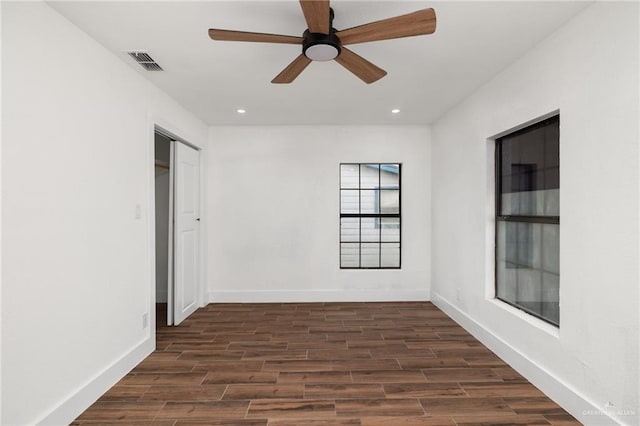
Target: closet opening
x: 162, y: 145
x: 177, y: 228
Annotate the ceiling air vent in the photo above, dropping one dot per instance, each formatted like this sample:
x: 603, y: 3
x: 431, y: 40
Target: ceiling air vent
x: 145, y: 61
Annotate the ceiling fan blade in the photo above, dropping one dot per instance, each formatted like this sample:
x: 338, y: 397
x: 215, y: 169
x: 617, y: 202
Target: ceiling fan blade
x: 229, y: 35
x: 417, y: 23
x: 316, y: 13
x: 292, y: 71
x: 362, y: 68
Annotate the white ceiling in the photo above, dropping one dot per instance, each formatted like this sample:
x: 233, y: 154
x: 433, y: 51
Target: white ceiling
x: 427, y: 75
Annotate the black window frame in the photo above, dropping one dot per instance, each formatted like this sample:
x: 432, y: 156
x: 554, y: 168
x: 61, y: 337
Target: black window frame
x: 517, y: 218
x: 378, y: 216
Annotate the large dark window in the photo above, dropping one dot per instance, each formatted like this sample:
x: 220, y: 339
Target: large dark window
x: 528, y: 219
x: 370, y: 216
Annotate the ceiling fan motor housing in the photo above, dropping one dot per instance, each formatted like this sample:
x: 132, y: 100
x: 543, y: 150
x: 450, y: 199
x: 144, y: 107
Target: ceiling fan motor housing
x: 320, y: 47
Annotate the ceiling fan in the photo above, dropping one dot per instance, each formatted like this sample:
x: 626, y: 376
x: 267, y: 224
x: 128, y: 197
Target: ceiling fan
x: 322, y: 42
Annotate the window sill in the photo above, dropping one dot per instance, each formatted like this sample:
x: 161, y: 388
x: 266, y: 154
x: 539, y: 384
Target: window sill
x: 529, y: 319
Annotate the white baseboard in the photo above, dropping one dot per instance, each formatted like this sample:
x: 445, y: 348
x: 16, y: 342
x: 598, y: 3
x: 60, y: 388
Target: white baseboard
x: 73, y: 405
x: 563, y: 394
x: 286, y: 296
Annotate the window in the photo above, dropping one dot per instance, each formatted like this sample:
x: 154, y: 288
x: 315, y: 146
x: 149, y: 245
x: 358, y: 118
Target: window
x: 528, y: 219
x: 370, y: 216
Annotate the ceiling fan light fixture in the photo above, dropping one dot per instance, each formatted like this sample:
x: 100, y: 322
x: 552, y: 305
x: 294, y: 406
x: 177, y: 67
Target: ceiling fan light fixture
x: 321, y: 52
x: 320, y: 47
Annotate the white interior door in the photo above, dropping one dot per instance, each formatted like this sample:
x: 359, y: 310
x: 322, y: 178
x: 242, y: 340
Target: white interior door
x: 186, y: 230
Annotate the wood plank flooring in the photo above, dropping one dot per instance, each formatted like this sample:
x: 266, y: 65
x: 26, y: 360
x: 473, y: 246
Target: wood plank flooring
x: 323, y: 364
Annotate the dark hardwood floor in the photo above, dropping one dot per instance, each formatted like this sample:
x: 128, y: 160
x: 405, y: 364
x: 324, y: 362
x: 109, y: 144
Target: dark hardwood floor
x: 322, y: 364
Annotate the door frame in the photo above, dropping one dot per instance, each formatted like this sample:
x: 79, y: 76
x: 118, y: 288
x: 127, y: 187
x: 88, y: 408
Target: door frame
x: 158, y: 124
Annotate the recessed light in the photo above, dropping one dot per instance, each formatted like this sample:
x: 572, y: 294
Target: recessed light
x: 395, y: 111
x: 241, y: 111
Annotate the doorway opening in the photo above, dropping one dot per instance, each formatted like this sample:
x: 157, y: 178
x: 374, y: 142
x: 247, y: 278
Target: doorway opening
x: 177, y: 229
x: 163, y: 170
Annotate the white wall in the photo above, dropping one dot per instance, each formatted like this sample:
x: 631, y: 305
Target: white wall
x: 273, y: 204
x: 589, y: 71
x: 77, y: 145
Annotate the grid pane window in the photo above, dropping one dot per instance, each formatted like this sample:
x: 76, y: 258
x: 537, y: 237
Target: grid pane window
x: 370, y: 216
x: 528, y: 219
